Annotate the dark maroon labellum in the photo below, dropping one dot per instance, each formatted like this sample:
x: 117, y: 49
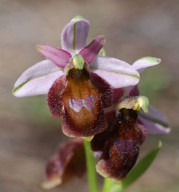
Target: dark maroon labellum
x: 79, y: 101
x: 120, y: 144
x: 64, y: 165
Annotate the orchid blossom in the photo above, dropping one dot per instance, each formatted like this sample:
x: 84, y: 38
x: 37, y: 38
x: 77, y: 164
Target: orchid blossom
x: 78, y: 82
x: 154, y: 121
x: 127, y: 128
x: 120, y: 143
x: 98, y: 98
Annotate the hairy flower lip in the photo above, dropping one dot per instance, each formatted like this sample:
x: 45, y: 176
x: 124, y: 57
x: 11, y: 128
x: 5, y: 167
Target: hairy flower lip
x: 83, y: 114
x: 122, y: 149
x: 63, y: 165
x: 119, y: 142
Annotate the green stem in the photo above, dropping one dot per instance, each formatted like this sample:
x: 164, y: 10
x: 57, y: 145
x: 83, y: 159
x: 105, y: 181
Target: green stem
x: 90, y: 162
x: 108, y: 183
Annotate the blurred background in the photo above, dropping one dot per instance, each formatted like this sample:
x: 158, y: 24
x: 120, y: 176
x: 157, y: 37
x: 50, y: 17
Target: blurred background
x: 28, y: 133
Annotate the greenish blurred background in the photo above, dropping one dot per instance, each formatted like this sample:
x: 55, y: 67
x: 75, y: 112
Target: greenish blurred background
x: 28, y: 133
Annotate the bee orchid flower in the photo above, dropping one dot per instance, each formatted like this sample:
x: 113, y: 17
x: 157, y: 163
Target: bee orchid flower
x: 128, y: 126
x: 98, y: 98
x: 120, y: 143
x: 78, y: 81
x: 154, y: 121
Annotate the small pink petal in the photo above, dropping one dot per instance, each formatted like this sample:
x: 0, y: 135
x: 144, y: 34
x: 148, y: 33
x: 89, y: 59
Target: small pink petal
x: 117, y: 73
x: 74, y: 35
x: 59, y: 56
x: 37, y: 79
x: 91, y: 50
x: 155, y: 122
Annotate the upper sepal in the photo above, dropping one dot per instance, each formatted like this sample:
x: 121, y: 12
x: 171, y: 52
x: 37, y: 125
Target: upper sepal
x: 74, y: 35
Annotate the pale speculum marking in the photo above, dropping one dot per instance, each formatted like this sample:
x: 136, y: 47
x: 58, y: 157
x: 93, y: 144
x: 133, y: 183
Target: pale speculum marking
x: 78, y: 104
